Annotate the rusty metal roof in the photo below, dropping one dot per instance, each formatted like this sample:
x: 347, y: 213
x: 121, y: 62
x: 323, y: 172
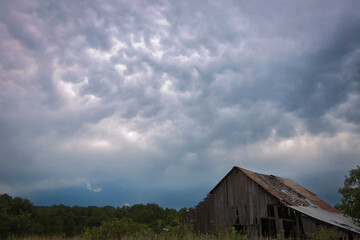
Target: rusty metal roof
x: 288, y: 191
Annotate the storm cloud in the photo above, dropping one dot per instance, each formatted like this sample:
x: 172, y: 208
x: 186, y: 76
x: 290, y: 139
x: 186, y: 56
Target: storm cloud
x: 169, y: 95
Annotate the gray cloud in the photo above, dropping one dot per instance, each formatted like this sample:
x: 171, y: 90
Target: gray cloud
x: 173, y: 94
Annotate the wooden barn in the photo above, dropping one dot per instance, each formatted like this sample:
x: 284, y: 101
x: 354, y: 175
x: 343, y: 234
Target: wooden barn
x: 267, y: 205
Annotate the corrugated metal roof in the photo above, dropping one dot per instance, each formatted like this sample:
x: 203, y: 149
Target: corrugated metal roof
x: 332, y: 218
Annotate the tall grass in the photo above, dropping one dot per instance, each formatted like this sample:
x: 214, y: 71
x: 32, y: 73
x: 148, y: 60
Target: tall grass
x: 180, y: 234
x: 45, y: 238
x: 148, y: 237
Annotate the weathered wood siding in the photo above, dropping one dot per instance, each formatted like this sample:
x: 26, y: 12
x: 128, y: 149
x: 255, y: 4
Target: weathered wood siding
x: 237, y: 196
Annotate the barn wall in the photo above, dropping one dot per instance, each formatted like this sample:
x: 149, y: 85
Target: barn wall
x: 237, y: 200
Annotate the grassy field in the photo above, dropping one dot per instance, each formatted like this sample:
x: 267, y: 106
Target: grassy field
x: 177, y: 234
x: 158, y: 237
x: 170, y: 237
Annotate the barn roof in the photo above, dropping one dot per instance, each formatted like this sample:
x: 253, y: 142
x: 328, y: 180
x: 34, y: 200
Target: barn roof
x: 298, y: 198
x: 288, y: 191
x: 335, y: 219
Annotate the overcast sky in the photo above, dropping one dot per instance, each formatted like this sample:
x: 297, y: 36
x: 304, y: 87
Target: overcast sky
x: 124, y: 102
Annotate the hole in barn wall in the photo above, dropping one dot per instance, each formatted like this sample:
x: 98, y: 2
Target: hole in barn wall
x: 268, y: 227
x: 270, y: 211
x: 285, y: 212
x: 289, y: 229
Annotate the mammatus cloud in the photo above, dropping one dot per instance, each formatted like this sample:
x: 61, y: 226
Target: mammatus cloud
x: 170, y: 95
x: 96, y: 189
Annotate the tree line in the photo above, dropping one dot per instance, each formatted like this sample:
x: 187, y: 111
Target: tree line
x: 19, y: 217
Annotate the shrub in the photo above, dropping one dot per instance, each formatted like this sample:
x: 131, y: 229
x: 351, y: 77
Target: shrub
x: 115, y: 229
x: 326, y: 234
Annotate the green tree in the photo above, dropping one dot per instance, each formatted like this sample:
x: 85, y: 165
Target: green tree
x: 48, y: 221
x: 350, y: 202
